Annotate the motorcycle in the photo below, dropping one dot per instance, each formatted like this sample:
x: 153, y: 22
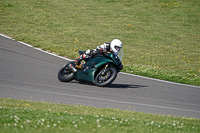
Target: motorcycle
x: 101, y: 70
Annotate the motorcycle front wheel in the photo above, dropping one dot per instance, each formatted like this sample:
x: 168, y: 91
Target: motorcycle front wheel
x: 104, y: 79
x: 65, y: 75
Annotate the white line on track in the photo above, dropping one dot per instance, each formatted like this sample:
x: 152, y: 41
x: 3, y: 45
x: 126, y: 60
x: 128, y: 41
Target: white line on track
x: 120, y: 72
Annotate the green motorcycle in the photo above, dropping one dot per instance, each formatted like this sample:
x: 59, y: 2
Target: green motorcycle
x: 101, y: 70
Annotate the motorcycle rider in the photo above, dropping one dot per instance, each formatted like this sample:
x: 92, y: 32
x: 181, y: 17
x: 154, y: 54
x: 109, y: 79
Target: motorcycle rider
x: 113, y: 46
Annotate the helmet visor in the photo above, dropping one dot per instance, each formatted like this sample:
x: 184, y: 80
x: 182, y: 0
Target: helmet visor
x: 117, y: 48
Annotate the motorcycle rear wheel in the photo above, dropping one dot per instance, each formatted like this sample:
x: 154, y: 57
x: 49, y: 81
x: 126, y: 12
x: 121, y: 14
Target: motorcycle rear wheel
x: 102, y: 80
x: 65, y: 75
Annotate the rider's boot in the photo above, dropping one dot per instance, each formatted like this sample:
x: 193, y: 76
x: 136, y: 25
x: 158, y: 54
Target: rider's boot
x: 78, y: 62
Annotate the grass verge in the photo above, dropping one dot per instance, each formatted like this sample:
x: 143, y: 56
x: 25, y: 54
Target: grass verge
x: 27, y: 116
x: 161, y: 38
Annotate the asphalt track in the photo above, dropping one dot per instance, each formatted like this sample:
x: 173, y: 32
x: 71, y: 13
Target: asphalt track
x: 28, y: 73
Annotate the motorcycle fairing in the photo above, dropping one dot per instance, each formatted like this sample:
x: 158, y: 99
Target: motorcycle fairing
x: 87, y: 72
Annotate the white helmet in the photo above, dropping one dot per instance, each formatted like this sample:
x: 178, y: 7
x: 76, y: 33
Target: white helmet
x: 116, y: 44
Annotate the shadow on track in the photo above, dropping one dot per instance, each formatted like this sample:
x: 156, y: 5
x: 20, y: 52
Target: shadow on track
x: 125, y: 86
x: 120, y: 86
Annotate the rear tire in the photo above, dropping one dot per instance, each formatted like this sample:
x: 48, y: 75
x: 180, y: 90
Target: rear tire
x: 65, y: 75
x: 102, y: 80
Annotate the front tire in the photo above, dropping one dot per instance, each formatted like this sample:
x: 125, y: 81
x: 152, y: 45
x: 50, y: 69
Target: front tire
x: 106, y: 79
x: 65, y: 75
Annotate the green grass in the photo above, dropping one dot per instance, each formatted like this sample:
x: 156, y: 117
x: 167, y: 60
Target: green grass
x: 26, y: 116
x: 160, y: 37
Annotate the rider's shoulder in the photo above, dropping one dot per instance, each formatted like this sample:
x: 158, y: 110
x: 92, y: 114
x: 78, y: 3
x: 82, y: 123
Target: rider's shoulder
x: 104, y: 45
x: 107, y: 44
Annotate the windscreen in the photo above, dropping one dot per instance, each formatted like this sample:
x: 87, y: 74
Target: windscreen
x: 120, y: 54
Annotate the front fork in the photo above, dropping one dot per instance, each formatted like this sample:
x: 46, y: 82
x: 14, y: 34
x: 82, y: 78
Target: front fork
x: 105, y: 70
